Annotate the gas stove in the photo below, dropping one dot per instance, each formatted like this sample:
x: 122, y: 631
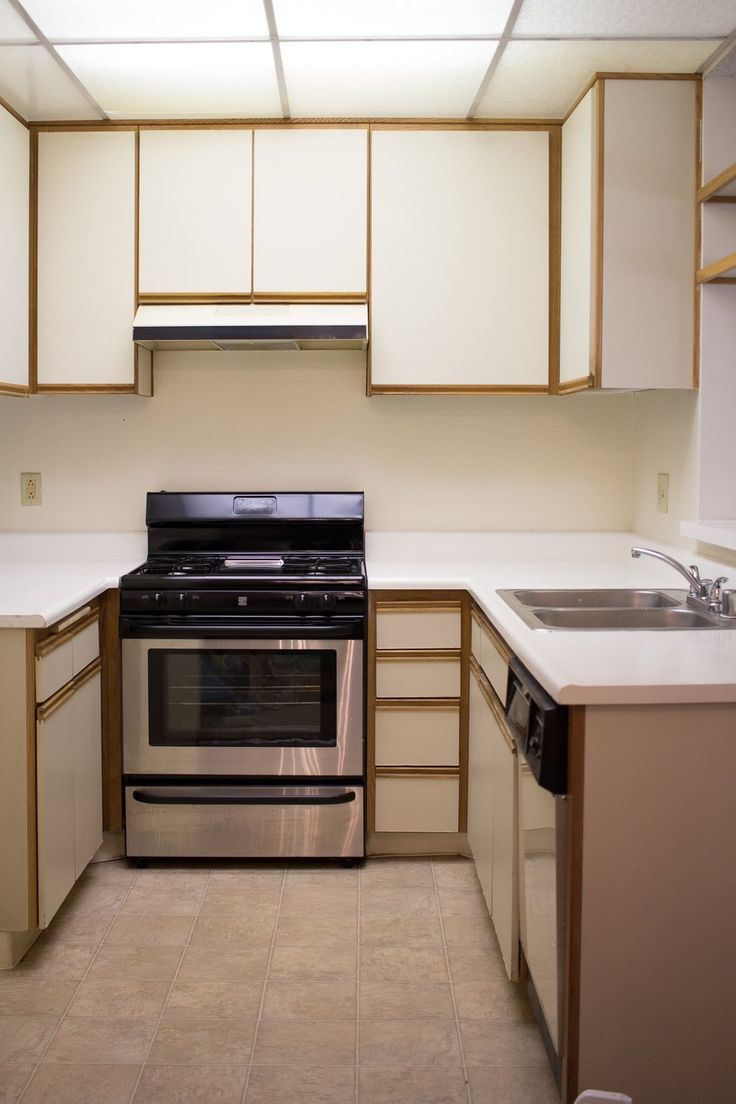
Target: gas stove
x: 290, y: 566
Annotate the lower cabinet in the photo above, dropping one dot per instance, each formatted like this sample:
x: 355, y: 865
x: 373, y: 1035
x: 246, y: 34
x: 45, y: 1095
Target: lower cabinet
x: 69, y: 781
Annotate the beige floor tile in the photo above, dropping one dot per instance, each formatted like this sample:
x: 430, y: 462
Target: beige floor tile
x: 190, y: 1085
x: 98, y: 1041
x: 249, y: 906
x: 380, y: 1085
x: 302, y: 1085
x: 149, y: 931
x: 402, y: 963
x: 81, y: 1084
x: 316, y: 931
x: 407, y: 1001
x: 12, y: 1081
x: 221, y: 963
x: 23, y: 1038
x: 302, y: 898
x: 313, y: 964
x: 409, y: 1043
x: 512, y: 1085
x: 305, y: 1043
x: 119, y: 871
x: 157, y: 877
x: 263, y: 884
x: 144, y: 900
x: 469, y: 931
x: 386, y: 903
x: 202, y: 1042
x: 129, y: 999
x: 28, y: 994
x: 455, y: 872
x: 233, y: 931
x: 310, y: 1000
x: 326, y: 875
x: 48, y: 958
x: 116, y: 960
x: 84, y: 926
x: 396, y: 872
x: 376, y: 932
x: 230, y: 1000
x: 94, y: 896
x: 498, y: 1043
x: 475, y: 963
x: 499, y: 999
x: 259, y: 868
x: 462, y: 902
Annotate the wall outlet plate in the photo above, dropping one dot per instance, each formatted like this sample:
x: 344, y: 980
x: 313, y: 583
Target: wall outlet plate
x: 663, y: 493
x: 30, y: 488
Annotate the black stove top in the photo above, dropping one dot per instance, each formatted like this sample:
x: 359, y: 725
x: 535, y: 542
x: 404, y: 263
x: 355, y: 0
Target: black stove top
x: 289, y: 566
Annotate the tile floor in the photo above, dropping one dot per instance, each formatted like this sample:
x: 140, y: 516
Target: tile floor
x: 269, y: 984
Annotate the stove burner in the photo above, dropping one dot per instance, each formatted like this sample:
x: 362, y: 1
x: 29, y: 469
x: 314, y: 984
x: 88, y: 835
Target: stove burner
x: 185, y: 565
x: 253, y: 565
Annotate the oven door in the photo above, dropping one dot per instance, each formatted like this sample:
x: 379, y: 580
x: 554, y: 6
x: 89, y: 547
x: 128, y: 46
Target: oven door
x: 229, y: 706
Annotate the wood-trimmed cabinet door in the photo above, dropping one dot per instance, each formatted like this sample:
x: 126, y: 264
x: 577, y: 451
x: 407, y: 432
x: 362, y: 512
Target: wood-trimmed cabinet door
x: 310, y: 212
x: 14, y: 259
x: 195, y: 212
x: 460, y: 229
x: 628, y: 236
x: 86, y: 262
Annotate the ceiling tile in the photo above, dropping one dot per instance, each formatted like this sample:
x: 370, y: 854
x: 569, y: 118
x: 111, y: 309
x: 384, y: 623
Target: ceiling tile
x: 12, y: 27
x: 192, y: 80
x: 37, y: 86
x: 542, y: 79
x: 626, y: 18
x: 387, y: 18
x: 384, y: 79
x: 93, y: 19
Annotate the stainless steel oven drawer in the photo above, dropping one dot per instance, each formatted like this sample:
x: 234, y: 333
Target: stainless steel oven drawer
x: 244, y: 821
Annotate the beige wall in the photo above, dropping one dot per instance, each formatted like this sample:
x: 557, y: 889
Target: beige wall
x: 234, y: 421
x: 665, y: 439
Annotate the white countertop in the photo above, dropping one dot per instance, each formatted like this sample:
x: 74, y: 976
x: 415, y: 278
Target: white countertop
x: 45, y: 576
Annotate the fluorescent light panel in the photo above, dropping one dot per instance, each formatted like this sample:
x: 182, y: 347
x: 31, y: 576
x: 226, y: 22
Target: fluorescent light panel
x: 626, y: 18
x: 37, y: 86
x: 388, y: 18
x: 384, y: 79
x: 115, y: 19
x: 12, y: 27
x: 190, y: 80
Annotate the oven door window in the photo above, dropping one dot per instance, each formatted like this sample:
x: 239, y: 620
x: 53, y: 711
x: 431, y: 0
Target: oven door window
x: 242, y: 698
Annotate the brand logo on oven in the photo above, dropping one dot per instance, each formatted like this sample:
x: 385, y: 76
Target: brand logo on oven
x: 242, y: 600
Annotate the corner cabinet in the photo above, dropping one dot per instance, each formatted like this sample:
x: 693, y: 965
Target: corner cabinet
x: 86, y: 263
x: 460, y: 259
x: 14, y: 266
x: 627, y: 310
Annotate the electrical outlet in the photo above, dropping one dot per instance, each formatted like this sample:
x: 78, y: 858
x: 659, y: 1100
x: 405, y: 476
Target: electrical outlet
x: 30, y: 488
x: 663, y: 493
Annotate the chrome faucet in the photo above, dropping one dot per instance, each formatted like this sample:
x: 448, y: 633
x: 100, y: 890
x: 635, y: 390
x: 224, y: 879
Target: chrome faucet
x: 706, y: 593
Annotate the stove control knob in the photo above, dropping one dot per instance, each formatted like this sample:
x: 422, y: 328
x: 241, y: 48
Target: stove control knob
x: 301, y: 602
x: 327, y: 601
x: 181, y: 601
x: 158, y: 599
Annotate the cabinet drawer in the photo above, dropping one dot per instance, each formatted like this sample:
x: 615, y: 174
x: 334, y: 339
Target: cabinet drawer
x: 417, y: 737
x: 493, y: 661
x: 59, y: 659
x: 431, y: 676
x: 421, y: 803
x: 418, y: 629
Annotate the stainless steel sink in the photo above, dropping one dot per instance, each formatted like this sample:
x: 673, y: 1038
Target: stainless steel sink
x: 609, y: 609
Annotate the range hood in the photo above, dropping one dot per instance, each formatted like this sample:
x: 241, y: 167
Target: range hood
x: 233, y: 328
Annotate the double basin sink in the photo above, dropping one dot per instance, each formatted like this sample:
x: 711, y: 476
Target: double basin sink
x: 610, y: 609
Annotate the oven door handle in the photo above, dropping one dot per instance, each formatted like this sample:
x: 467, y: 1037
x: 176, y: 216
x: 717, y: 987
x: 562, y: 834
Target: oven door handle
x: 239, y: 629
x: 219, y: 796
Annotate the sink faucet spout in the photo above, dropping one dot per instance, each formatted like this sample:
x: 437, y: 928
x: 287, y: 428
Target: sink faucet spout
x: 699, y: 588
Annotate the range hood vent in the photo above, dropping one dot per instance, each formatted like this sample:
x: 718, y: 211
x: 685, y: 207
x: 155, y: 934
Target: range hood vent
x: 256, y: 326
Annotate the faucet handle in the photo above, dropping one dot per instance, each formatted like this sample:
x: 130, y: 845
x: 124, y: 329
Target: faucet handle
x: 714, y: 591
x: 695, y: 572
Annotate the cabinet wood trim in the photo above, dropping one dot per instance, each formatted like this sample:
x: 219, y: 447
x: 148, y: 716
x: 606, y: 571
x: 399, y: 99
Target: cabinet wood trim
x: 493, y: 703
x: 417, y: 772
x: 710, y: 190
x: 574, y: 861
x: 112, y: 756
x: 33, y: 265
x: 498, y: 641
x: 627, y: 76
x: 418, y: 607
x: 464, y: 733
x: 555, y: 256
x: 600, y: 107
x: 86, y: 388
x: 252, y: 214
x: 458, y: 389
x: 416, y: 596
x: 14, y: 389
x: 419, y: 655
x: 584, y: 383
x: 71, y: 620
x: 11, y: 111
x: 31, y: 780
x: 137, y: 219
x: 58, y: 639
x: 411, y: 705
x: 718, y: 271
x: 370, y: 751
x: 698, y: 237
x: 67, y: 691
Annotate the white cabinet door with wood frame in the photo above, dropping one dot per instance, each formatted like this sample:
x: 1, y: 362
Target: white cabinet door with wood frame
x: 86, y: 263
x: 14, y: 262
x: 460, y: 259
x: 195, y: 212
x: 628, y: 236
x: 310, y: 212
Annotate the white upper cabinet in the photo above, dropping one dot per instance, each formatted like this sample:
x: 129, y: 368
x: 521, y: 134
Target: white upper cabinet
x: 86, y: 260
x: 628, y: 236
x: 310, y: 211
x: 195, y: 211
x: 14, y: 208
x: 459, y: 260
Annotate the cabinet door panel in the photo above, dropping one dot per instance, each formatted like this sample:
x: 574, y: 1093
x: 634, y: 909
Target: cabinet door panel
x: 421, y: 804
x: 56, y: 857
x: 417, y: 629
x: 86, y: 250
x: 195, y: 211
x: 14, y: 189
x: 577, y: 230
x: 459, y: 261
x: 310, y: 211
x: 87, y: 773
x: 417, y: 737
x: 505, y: 908
x: 480, y: 789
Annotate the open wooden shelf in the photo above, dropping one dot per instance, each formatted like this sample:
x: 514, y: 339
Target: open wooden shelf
x: 721, y: 189
x: 721, y: 271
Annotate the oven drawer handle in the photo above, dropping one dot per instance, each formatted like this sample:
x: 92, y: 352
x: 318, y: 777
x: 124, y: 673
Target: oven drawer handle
x: 212, y: 797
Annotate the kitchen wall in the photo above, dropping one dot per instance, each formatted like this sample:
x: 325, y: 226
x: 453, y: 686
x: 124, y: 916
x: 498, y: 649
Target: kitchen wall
x: 665, y: 439
x: 237, y: 421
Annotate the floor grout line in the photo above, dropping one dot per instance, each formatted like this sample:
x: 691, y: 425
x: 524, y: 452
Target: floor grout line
x: 265, y: 984
x: 73, y: 997
x: 452, y: 984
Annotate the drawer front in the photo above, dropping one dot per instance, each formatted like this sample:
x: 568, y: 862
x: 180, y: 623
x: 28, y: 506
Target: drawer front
x: 85, y: 646
x: 417, y: 737
x: 417, y: 804
x: 417, y: 629
x: 494, y: 665
x: 58, y: 663
x: 418, y: 678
